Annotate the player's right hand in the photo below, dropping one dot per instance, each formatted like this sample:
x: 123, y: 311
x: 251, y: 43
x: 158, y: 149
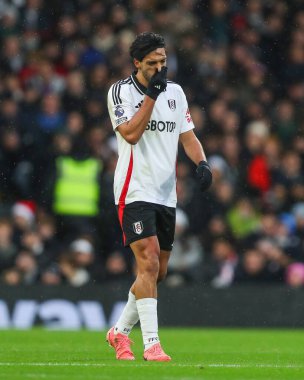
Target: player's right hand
x: 158, y: 83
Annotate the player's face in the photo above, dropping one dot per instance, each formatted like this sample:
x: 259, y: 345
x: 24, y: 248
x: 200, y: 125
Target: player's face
x: 151, y: 63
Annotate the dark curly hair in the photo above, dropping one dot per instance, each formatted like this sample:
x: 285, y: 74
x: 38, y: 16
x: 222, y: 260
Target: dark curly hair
x: 144, y: 43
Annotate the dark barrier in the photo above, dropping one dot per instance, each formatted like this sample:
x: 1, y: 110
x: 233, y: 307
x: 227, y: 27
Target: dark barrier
x: 96, y: 307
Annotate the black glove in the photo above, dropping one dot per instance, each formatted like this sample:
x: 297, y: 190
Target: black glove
x: 204, y: 175
x: 158, y: 83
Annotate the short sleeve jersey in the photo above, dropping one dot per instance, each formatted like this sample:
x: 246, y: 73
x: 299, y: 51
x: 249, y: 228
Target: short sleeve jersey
x: 146, y: 171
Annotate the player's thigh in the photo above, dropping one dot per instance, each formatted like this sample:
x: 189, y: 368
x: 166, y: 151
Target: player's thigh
x: 165, y: 225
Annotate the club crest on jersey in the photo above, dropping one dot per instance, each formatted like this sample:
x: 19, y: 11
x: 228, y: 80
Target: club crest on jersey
x: 138, y: 227
x: 119, y: 111
x: 172, y: 104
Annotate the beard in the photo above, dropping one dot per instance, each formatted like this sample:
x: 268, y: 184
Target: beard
x: 147, y: 76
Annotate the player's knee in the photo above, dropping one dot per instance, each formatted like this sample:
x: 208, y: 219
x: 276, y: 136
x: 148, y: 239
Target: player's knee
x: 150, y: 266
x: 152, y: 269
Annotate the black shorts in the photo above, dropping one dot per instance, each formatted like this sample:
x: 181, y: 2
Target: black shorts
x: 139, y: 220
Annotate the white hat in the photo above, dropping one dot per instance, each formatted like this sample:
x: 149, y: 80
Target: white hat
x: 25, y: 209
x: 82, y: 246
x: 258, y: 128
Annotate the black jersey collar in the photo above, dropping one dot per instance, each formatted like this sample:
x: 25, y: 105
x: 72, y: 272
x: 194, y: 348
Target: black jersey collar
x: 139, y: 87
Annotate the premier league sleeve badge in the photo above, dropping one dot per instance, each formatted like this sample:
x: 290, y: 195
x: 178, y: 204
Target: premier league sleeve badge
x: 119, y: 111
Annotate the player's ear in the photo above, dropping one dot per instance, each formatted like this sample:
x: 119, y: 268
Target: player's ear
x: 136, y: 63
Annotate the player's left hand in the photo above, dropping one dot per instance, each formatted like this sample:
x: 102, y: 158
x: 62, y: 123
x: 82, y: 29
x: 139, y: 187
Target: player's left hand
x: 204, y: 175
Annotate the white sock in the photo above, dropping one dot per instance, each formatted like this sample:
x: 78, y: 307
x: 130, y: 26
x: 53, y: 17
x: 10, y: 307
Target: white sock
x: 147, y: 311
x: 129, y: 317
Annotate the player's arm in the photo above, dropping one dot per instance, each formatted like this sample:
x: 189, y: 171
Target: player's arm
x: 192, y: 147
x: 195, y: 152
x: 132, y: 130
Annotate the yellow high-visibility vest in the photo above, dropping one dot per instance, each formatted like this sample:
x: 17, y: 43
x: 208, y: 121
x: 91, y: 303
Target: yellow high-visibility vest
x: 77, y: 187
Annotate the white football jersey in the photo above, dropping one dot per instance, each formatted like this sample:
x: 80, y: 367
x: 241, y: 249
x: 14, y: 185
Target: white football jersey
x: 146, y: 171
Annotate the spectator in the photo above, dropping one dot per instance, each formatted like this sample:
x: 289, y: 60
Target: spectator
x: 276, y: 259
x: 15, y: 170
x: 252, y: 268
x: 51, y: 275
x: 46, y: 229
x: 116, y: 267
x: 72, y: 99
x: 27, y: 267
x: 74, y: 192
x: 8, y: 250
x: 243, y: 218
x: 221, y: 267
x: 23, y: 214
x: 74, y: 264
x: 51, y: 118
x: 295, y: 275
x: 11, y: 276
x: 298, y: 213
x: 285, y: 120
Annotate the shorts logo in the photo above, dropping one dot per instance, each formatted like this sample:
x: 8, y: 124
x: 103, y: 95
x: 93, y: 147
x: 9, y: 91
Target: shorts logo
x: 138, y: 227
x: 172, y: 104
x: 119, y: 111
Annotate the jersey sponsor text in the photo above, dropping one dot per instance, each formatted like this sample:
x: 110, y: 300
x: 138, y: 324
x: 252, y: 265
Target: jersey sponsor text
x: 161, y: 126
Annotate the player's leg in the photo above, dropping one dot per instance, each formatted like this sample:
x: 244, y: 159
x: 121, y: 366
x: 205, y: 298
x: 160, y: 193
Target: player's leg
x: 147, y: 254
x: 165, y: 223
x: 163, y: 265
x: 117, y: 336
x: 129, y: 317
x: 138, y: 221
x: 155, y: 351
x: 165, y: 217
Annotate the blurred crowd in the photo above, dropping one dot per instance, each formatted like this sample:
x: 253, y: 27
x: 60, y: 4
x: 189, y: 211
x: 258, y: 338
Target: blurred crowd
x: 241, y: 65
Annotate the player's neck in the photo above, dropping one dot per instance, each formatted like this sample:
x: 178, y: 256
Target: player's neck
x: 141, y: 79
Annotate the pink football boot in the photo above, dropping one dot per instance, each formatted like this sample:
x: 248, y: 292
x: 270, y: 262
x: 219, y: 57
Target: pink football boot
x: 156, y: 353
x: 121, y: 344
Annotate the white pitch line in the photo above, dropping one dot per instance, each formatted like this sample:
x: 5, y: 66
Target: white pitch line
x: 254, y: 365
x: 132, y: 364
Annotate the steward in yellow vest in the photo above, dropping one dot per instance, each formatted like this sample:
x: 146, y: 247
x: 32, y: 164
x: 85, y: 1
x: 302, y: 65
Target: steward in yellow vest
x: 77, y: 187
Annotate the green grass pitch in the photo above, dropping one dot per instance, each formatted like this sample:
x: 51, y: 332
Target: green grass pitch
x: 206, y: 354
